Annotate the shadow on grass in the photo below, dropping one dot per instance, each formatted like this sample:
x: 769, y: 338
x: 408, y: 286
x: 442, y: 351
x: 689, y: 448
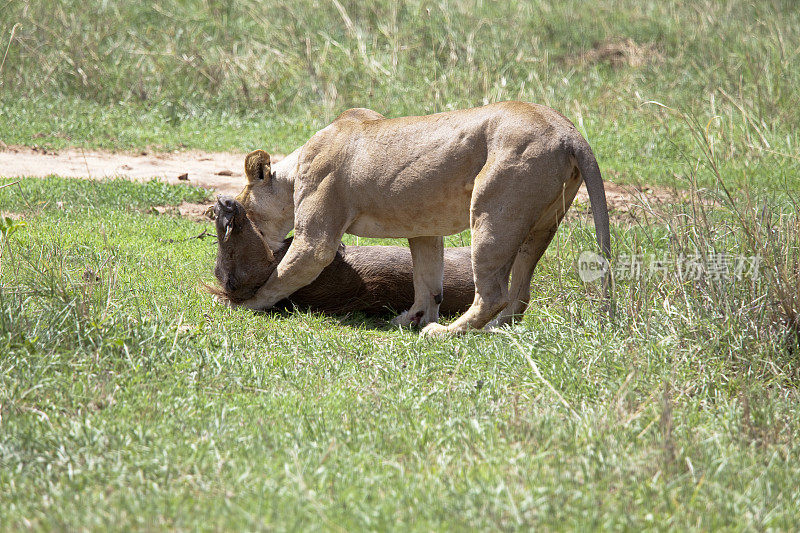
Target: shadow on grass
x: 355, y: 320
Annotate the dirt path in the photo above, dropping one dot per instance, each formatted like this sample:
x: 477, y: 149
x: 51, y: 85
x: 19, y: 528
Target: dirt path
x: 219, y: 171
x: 222, y: 173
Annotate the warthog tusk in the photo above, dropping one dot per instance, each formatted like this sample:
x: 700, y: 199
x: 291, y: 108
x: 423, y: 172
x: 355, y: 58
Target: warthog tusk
x: 227, y: 233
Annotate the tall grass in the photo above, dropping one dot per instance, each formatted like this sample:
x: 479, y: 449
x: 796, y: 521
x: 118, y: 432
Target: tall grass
x: 266, y: 75
x: 280, y: 56
x: 765, y: 228
x: 724, y: 265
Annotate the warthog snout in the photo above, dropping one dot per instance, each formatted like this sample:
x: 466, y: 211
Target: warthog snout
x: 230, y: 215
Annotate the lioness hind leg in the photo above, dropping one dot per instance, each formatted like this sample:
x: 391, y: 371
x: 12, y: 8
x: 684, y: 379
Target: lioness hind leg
x: 525, y: 263
x: 508, y: 201
x: 533, y: 248
x: 427, y: 257
x: 492, y: 258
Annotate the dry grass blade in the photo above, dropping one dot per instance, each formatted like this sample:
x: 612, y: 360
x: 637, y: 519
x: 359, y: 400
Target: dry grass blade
x: 539, y: 375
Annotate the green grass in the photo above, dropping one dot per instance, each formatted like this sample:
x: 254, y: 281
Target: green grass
x: 129, y: 399
x: 248, y: 75
x: 111, y: 194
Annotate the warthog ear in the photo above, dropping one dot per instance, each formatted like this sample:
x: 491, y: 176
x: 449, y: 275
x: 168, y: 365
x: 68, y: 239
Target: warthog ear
x: 256, y: 166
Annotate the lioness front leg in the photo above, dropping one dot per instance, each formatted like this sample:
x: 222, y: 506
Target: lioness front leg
x: 427, y: 258
x: 300, y: 266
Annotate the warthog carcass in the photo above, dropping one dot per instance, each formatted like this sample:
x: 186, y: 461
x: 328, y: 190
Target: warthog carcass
x: 370, y: 279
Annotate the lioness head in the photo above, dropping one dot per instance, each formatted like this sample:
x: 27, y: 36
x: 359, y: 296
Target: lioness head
x: 244, y: 261
x: 265, y: 201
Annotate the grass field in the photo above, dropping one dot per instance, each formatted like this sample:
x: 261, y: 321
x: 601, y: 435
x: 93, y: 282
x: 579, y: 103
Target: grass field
x: 130, y: 400
x: 246, y: 75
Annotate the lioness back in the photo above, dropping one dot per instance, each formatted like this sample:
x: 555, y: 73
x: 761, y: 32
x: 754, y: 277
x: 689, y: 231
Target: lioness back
x: 426, y: 165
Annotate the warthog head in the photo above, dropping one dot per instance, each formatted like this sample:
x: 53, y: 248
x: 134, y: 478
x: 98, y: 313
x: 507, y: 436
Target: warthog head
x: 244, y: 261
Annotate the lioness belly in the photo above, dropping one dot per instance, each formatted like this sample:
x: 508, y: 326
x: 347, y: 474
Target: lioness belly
x: 368, y: 226
x: 437, y: 214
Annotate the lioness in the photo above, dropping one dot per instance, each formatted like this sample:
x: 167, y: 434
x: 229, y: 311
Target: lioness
x: 370, y: 279
x: 508, y: 171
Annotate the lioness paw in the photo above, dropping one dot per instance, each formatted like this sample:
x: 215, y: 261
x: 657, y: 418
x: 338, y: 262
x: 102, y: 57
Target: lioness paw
x: 403, y: 319
x: 436, y: 330
x: 221, y: 300
x: 410, y: 318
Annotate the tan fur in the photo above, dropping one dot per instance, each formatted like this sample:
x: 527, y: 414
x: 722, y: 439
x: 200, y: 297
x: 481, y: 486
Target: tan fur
x: 508, y: 171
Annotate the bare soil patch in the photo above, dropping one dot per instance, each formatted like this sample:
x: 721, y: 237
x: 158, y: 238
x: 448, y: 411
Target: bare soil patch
x: 190, y: 210
x: 628, y: 203
x: 219, y: 171
x: 11, y: 215
x: 223, y: 173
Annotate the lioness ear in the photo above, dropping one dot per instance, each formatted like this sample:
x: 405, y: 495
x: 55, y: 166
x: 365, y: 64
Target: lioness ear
x: 256, y: 166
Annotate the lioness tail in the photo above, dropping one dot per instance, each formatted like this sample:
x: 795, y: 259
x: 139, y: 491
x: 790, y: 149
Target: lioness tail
x: 590, y: 171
